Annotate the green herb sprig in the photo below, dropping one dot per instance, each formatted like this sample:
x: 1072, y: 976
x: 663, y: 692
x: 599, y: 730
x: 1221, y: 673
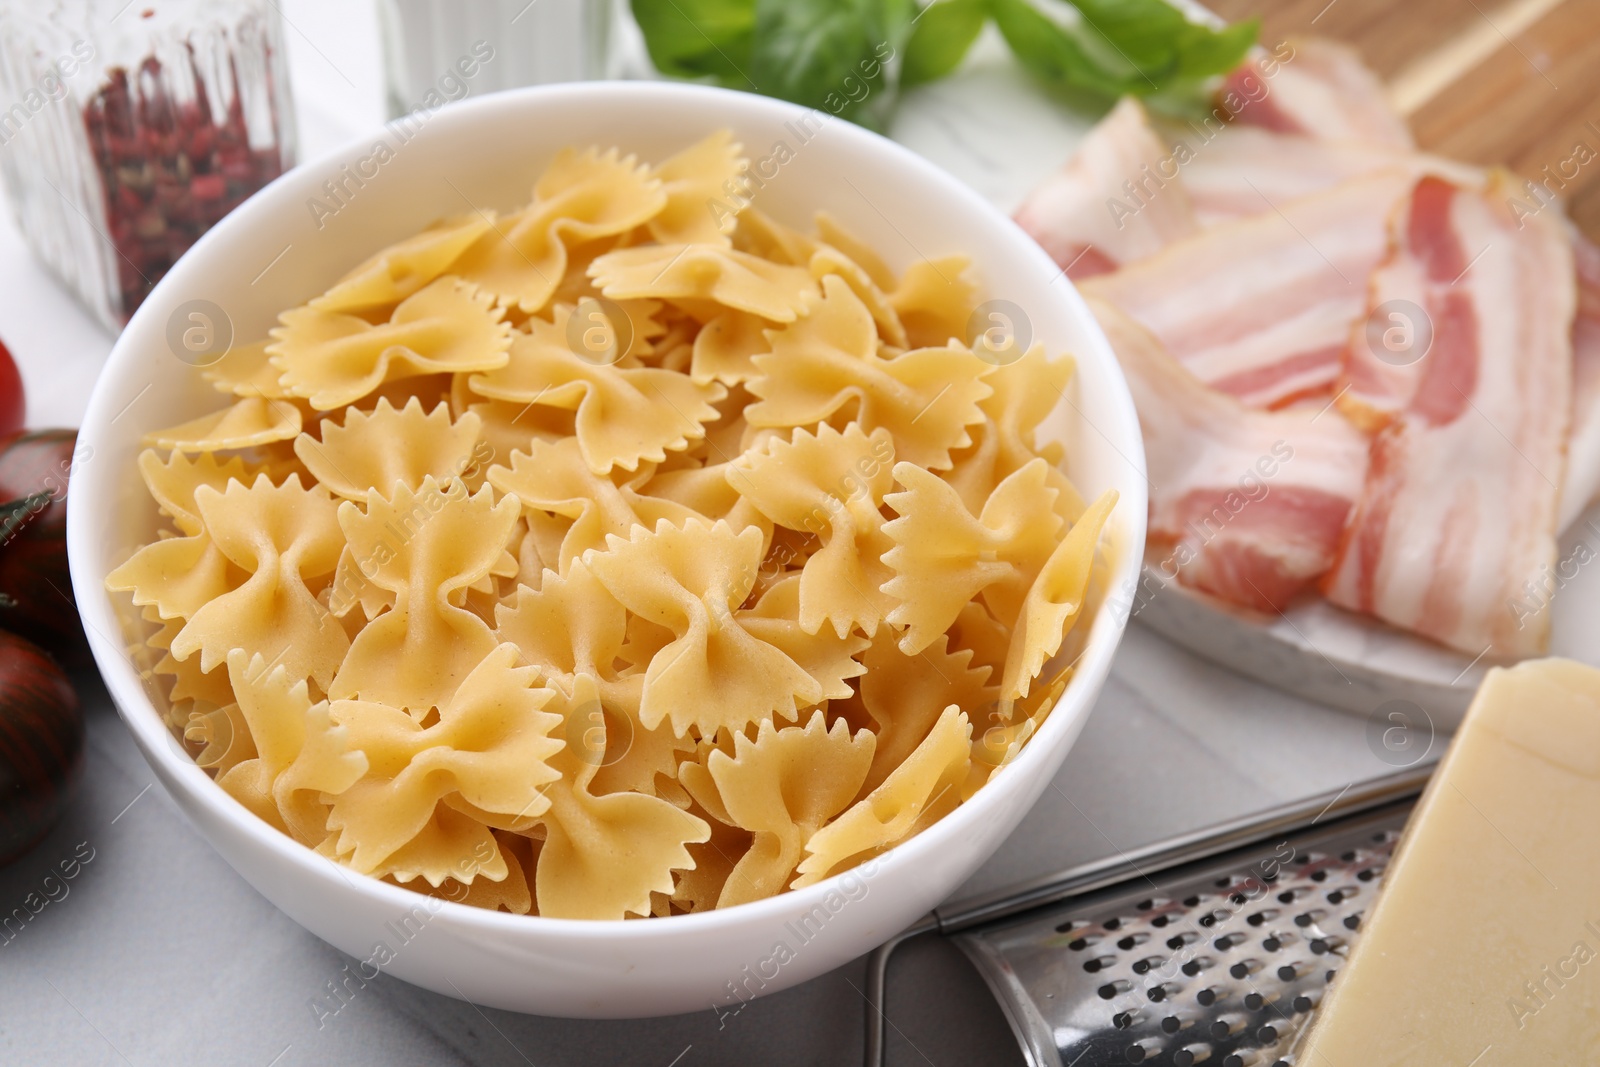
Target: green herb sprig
x: 838, y: 55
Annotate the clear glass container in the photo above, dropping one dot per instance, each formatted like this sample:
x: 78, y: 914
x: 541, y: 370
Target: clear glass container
x: 437, y: 51
x: 138, y: 125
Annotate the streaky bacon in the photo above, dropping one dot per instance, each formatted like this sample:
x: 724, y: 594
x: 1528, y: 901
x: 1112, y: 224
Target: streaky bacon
x: 1459, y: 509
x: 1261, y: 308
x: 1582, y: 482
x: 1245, y: 505
x: 1241, y: 169
x: 1111, y: 203
x: 1323, y: 90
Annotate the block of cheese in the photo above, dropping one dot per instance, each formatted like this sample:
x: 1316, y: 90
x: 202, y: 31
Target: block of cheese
x: 1483, y: 945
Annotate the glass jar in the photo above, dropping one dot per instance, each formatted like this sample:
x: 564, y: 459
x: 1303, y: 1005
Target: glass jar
x: 137, y: 125
x: 437, y: 51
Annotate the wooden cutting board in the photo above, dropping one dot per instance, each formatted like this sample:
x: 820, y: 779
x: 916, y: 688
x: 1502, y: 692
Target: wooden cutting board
x: 1513, y: 82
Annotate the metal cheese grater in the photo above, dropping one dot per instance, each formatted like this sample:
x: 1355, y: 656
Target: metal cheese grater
x: 1211, y: 948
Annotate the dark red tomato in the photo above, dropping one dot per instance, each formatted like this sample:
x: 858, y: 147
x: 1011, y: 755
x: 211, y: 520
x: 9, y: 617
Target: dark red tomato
x: 13, y: 406
x: 35, y: 585
x: 41, y: 744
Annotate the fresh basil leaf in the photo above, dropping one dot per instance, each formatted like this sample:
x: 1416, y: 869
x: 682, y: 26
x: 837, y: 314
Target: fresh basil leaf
x: 1053, y: 55
x: 1204, y: 52
x: 940, y: 39
x: 701, y: 39
x: 1146, y: 48
x: 828, y: 54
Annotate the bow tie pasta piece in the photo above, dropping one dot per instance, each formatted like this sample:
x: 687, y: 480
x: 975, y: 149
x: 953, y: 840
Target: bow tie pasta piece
x: 935, y: 301
x: 333, y: 359
x: 491, y: 748
x: 173, y: 482
x: 759, y: 234
x: 831, y: 484
x: 300, y: 753
x: 405, y: 267
x: 784, y: 786
x: 826, y: 656
x: 923, y: 789
x: 177, y: 576
x: 623, y: 416
x: 385, y: 448
x: 832, y: 232
x: 1025, y: 392
x: 1055, y: 599
x: 699, y: 183
x: 555, y: 477
x: 246, y: 371
x: 926, y: 398
x: 829, y: 260
x: 725, y: 347
x: 570, y: 625
x: 508, y: 426
x: 582, y: 197
x: 281, y: 536
x: 604, y: 856
x: 699, y: 889
x: 943, y: 556
x: 979, y: 632
x: 700, y: 275
x: 247, y: 423
x: 189, y: 684
x: 904, y: 694
x: 715, y: 673
x: 425, y: 548
x: 512, y: 893
x: 224, y: 739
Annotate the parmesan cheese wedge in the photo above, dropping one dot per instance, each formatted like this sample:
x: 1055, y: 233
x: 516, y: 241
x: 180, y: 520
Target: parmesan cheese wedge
x: 1483, y: 945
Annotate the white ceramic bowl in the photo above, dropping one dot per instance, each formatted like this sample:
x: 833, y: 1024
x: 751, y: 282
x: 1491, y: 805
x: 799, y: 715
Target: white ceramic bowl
x: 281, y: 248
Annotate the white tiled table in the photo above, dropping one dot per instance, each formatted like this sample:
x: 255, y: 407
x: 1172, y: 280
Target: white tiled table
x: 161, y: 955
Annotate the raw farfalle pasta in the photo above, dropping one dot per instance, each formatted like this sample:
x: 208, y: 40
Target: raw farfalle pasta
x: 616, y: 555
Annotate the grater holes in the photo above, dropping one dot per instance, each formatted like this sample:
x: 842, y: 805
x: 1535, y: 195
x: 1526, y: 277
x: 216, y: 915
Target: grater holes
x: 1245, y: 968
x: 1163, y: 991
x: 1190, y: 1055
x: 1132, y: 941
x: 1099, y: 963
x: 1072, y: 926
x: 1191, y: 902
x: 1177, y: 941
x: 1111, y: 990
x: 1081, y: 943
x: 1307, y: 918
x: 1353, y: 922
x: 1148, y: 964
x: 1321, y: 946
x: 1265, y: 915
x: 1198, y: 964
x: 1207, y: 996
x: 1124, y: 1020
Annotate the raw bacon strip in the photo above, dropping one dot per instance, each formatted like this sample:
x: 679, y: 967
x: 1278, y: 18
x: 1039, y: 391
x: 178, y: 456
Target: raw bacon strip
x: 1235, y: 172
x: 1323, y: 91
x: 1245, y: 505
x: 1116, y: 200
x: 1261, y: 308
x: 1582, y: 482
x: 1459, y: 511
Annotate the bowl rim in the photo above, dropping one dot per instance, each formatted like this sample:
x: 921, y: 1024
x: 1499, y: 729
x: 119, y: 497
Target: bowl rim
x: 177, y: 770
